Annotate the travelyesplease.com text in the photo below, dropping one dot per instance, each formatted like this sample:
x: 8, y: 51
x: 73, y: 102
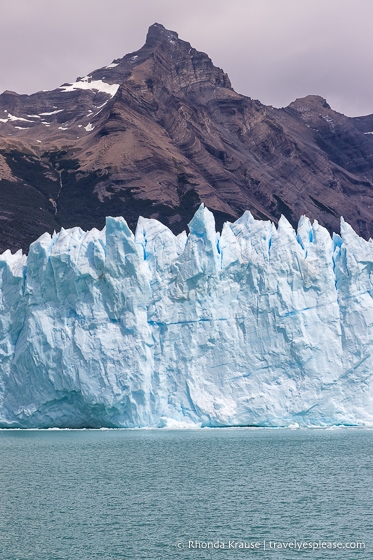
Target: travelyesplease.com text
x: 271, y: 545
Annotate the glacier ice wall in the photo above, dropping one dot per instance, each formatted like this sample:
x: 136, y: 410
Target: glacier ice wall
x: 256, y: 326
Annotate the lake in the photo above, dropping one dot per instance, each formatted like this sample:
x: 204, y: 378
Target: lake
x: 187, y: 494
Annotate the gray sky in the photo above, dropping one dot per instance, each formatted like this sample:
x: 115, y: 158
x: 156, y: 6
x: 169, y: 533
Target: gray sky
x: 273, y: 50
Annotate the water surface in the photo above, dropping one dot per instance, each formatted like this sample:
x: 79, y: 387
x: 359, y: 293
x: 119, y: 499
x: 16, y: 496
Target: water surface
x: 147, y: 494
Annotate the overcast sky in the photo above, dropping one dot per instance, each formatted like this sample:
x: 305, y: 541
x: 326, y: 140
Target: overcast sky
x: 272, y: 50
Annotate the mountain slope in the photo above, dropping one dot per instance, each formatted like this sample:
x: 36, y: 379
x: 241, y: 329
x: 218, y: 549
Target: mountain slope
x: 161, y: 130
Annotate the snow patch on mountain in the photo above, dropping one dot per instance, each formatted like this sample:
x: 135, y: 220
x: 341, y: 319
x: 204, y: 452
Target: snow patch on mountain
x: 98, y: 85
x: 51, y: 113
x: 12, y: 118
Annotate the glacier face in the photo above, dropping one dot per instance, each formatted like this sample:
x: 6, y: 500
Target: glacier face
x: 256, y: 326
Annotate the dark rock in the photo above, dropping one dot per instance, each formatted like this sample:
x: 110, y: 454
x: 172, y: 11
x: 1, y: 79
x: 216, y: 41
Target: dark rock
x: 175, y: 134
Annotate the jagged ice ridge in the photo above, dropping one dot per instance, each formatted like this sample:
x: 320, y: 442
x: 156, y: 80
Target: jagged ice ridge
x: 256, y: 326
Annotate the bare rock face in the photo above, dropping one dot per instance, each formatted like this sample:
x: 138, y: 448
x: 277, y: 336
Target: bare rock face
x: 161, y: 130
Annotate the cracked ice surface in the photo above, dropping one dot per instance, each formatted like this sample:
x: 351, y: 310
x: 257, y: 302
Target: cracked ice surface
x: 256, y: 326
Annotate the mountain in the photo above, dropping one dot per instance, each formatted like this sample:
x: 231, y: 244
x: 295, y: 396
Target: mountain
x: 256, y: 326
x: 161, y: 130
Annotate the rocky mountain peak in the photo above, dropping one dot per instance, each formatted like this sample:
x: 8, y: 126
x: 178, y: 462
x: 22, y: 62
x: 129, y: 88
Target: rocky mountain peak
x: 158, y: 33
x: 175, y: 64
x: 309, y: 103
x: 159, y: 131
x: 163, y: 62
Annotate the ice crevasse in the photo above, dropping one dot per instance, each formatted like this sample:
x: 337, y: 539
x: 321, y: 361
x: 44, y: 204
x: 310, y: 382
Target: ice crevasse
x: 256, y: 326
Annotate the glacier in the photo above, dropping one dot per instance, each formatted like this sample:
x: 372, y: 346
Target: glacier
x: 256, y: 326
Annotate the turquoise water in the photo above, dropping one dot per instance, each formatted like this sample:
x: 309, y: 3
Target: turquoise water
x: 139, y: 494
